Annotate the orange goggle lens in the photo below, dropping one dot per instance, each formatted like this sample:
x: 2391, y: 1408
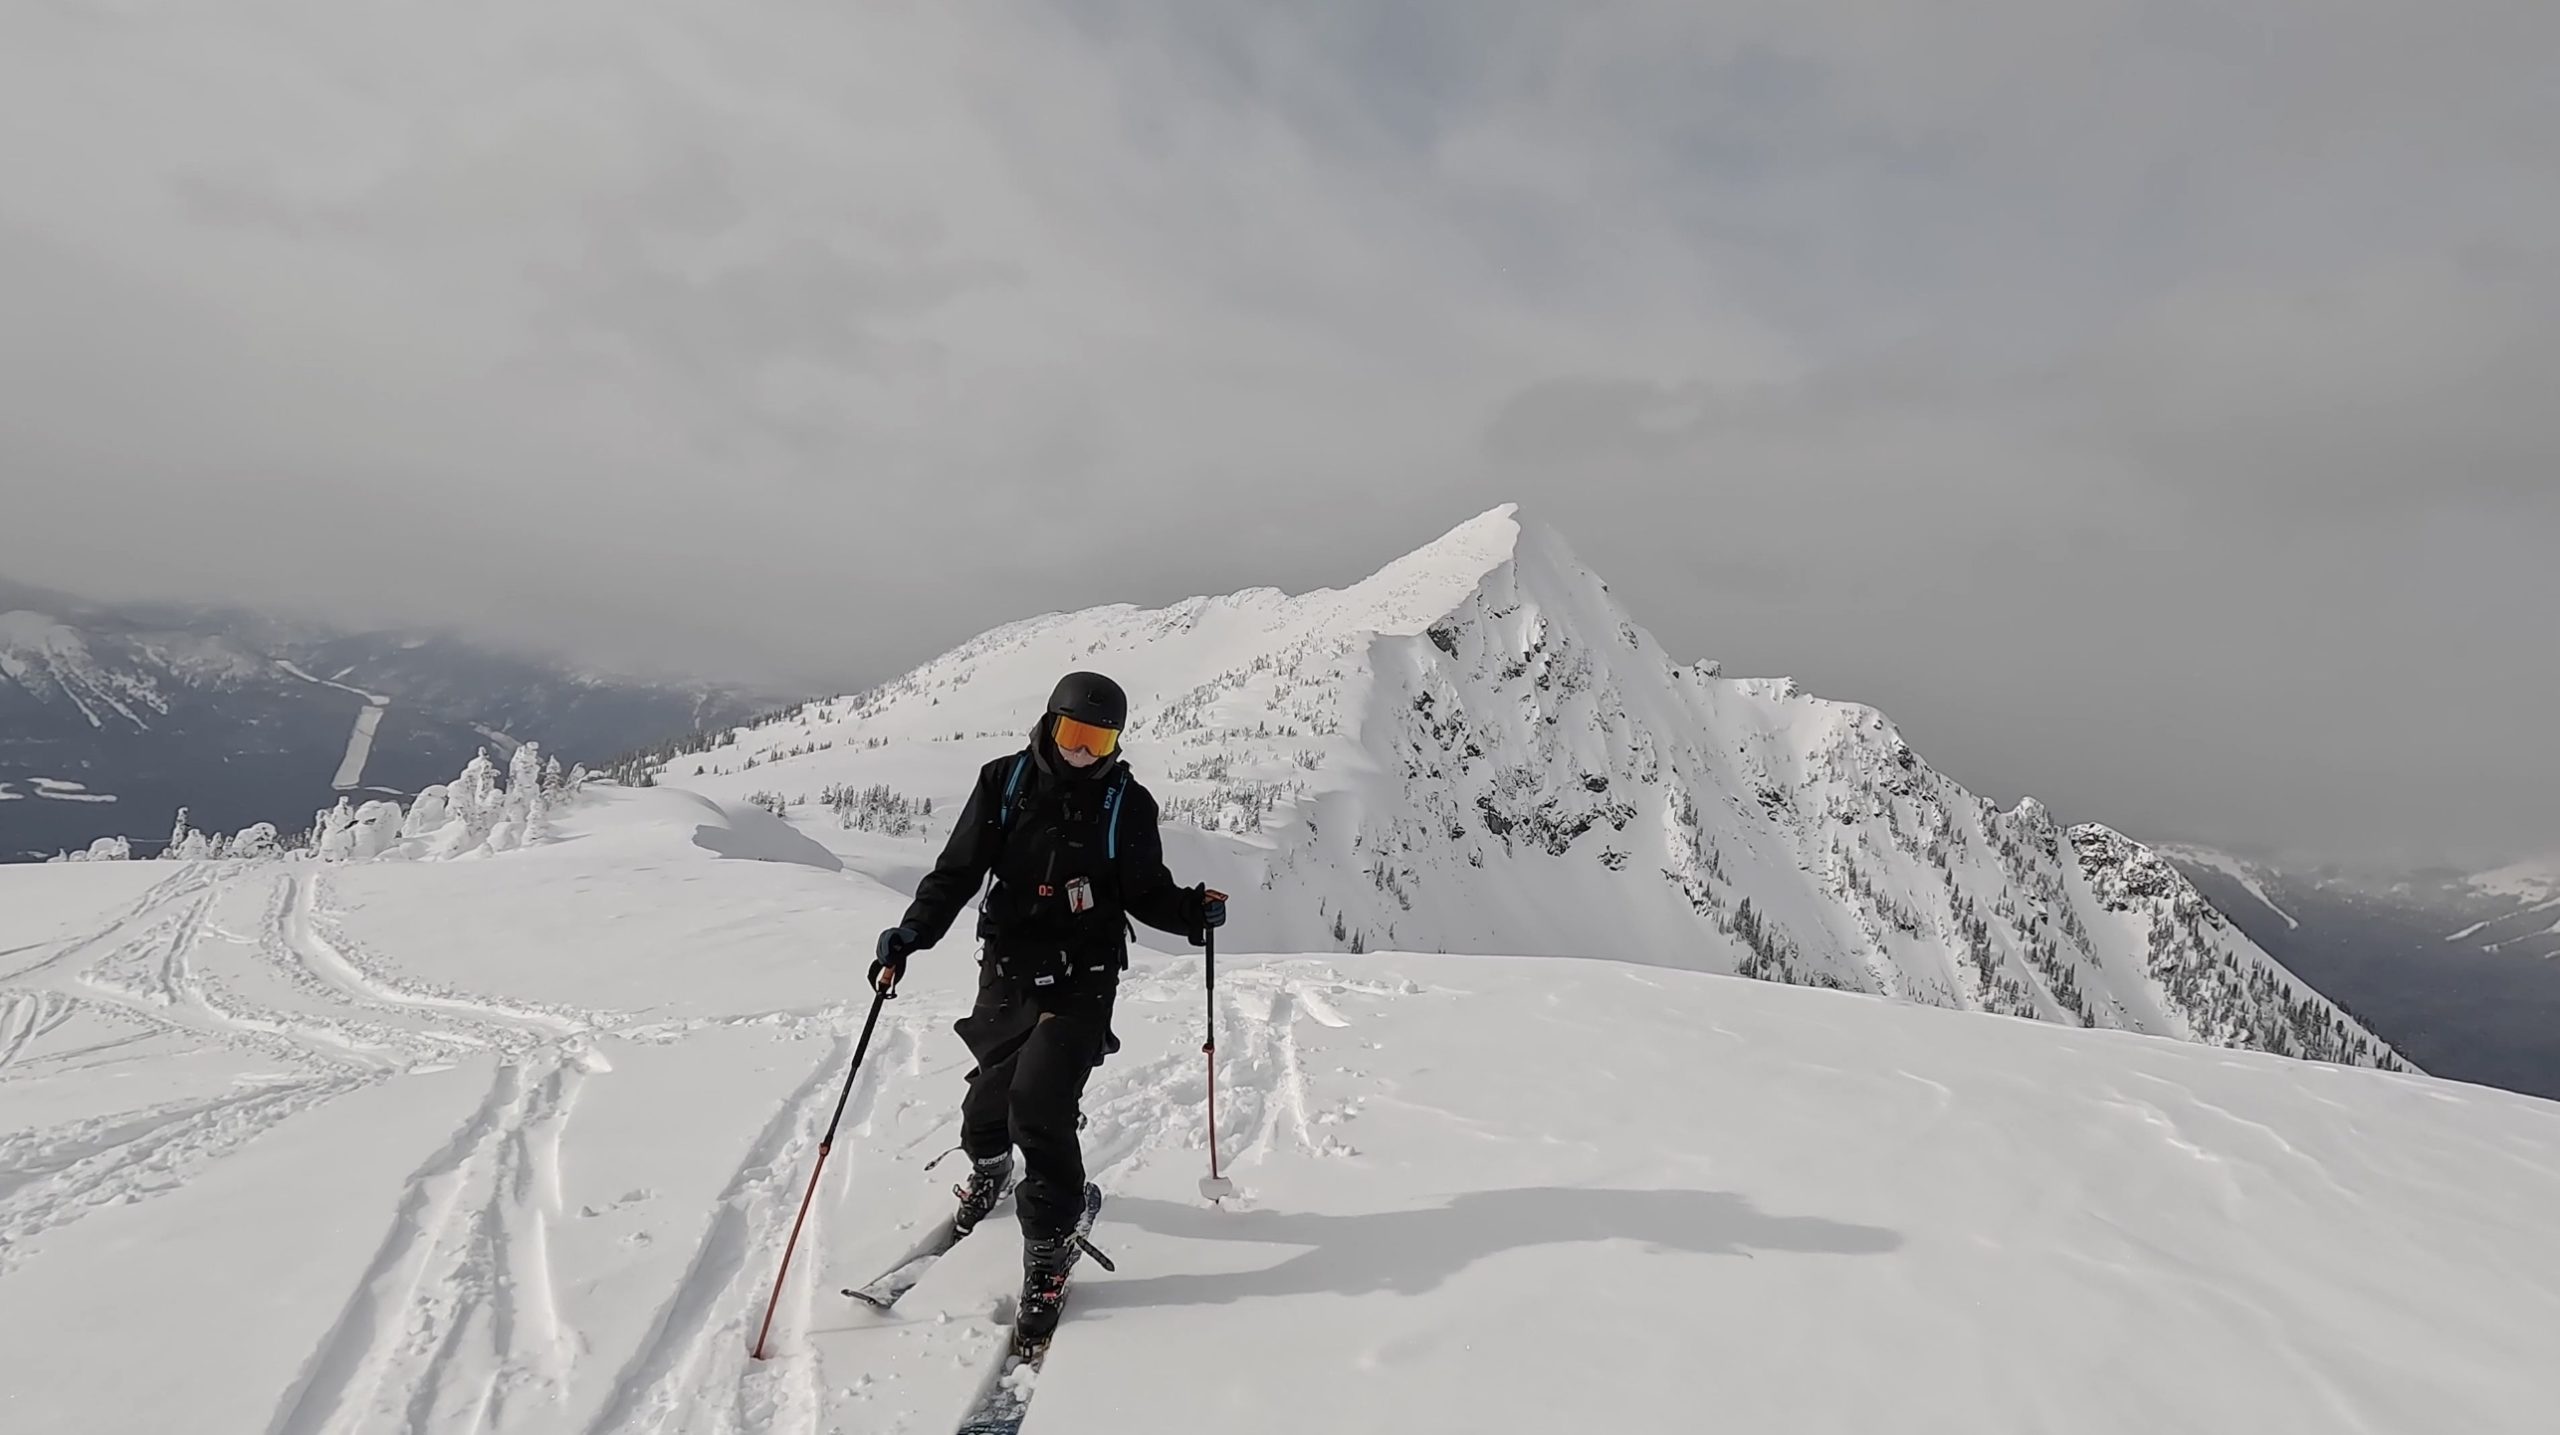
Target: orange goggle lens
x: 1100, y: 741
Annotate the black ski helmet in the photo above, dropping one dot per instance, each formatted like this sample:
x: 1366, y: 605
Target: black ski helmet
x: 1090, y: 698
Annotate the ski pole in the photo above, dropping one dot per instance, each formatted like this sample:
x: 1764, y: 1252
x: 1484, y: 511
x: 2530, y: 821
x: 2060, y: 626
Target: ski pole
x: 824, y: 1143
x: 1214, y: 1186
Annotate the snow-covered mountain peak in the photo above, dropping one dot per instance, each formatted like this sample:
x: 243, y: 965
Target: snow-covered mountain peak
x: 1409, y: 594
x: 20, y: 625
x: 26, y: 635
x: 1478, y: 749
x: 51, y: 661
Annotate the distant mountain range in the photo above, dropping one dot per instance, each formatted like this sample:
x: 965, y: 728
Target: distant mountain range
x: 2461, y: 971
x: 114, y: 716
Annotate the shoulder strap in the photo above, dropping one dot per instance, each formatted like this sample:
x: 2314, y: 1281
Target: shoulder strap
x: 1012, y: 785
x: 1111, y: 811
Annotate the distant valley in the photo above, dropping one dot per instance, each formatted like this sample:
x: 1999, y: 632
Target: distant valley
x: 112, y: 717
x: 2459, y: 970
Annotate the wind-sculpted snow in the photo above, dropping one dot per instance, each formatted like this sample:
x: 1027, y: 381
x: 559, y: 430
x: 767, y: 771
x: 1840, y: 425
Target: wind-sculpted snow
x: 1478, y: 749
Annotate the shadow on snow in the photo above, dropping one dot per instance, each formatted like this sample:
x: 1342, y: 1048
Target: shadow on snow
x: 1411, y: 1252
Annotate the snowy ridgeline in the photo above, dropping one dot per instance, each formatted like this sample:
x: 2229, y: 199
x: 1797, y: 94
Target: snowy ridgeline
x: 478, y: 812
x: 1478, y: 749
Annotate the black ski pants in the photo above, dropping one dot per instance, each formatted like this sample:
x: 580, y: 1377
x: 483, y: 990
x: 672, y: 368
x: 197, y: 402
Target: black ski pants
x: 1035, y: 1047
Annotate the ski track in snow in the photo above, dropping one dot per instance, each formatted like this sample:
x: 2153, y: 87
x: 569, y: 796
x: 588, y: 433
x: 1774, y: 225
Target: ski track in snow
x: 24, y: 1016
x: 456, y: 1320
x: 160, y: 978
x: 311, y: 928
x: 1263, y: 1101
x: 149, y: 974
x: 698, y: 1344
x: 1265, y: 1005
x: 187, y: 880
x: 477, y: 1219
x: 51, y: 1178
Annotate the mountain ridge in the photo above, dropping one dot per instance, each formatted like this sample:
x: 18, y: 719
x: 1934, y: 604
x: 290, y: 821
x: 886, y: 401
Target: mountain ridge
x: 1477, y: 748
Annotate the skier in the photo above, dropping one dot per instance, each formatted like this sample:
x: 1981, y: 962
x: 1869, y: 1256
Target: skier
x: 1071, y: 840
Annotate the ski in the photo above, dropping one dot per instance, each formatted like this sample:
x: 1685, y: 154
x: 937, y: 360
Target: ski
x: 881, y: 1292
x: 1002, y: 1407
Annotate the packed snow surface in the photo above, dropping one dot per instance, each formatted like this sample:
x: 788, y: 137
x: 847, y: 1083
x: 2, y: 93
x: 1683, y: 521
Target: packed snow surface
x: 512, y: 1143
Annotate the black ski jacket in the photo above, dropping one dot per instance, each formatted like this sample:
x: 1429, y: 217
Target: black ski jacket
x: 1074, y: 855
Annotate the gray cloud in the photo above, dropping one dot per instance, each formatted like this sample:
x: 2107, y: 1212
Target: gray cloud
x: 2146, y: 404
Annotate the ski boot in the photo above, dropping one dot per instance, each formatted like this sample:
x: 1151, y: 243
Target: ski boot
x: 979, y: 1194
x: 1045, y: 1266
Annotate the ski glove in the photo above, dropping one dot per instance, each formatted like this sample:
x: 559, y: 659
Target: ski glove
x: 895, y: 944
x: 1209, y: 908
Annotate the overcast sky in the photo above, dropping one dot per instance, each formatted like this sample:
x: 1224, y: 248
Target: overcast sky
x: 2154, y: 406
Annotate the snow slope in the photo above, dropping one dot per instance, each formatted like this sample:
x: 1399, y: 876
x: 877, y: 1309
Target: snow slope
x: 1477, y: 749
x: 2534, y: 888
x: 2535, y: 883
x: 512, y: 1144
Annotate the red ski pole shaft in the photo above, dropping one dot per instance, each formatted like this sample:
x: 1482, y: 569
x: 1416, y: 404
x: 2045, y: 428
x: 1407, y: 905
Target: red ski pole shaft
x: 826, y: 1143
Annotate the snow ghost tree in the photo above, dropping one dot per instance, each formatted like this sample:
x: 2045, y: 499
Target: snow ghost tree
x: 528, y: 805
x: 333, y: 837
x: 429, y: 813
x: 480, y: 811
x: 524, y: 772
x: 475, y: 800
x: 375, y: 831
x: 186, y: 844
x: 105, y: 849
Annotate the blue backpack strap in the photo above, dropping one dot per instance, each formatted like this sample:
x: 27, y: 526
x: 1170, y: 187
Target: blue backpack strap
x: 1111, y: 805
x: 1012, y: 785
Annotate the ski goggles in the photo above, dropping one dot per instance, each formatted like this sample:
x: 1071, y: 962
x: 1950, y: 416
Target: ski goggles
x: 1100, y: 741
